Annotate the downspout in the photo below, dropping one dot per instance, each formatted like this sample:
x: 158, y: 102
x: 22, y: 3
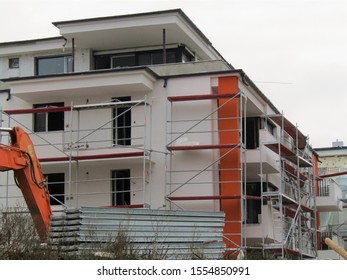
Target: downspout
x: 8, y: 91
x: 73, y: 55
x: 5, y: 88
x: 164, y: 46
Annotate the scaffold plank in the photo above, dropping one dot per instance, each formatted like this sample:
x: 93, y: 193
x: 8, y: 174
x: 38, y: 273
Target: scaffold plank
x: 201, y: 147
x: 38, y: 110
x: 201, y: 97
x: 214, y: 197
x: 90, y: 157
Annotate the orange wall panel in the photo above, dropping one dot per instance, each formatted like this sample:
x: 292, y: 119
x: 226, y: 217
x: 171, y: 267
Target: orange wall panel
x: 230, y: 164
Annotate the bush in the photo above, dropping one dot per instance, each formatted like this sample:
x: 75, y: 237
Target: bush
x: 20, y: 241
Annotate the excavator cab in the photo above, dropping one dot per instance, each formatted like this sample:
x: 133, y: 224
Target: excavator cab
x: 20, y: 156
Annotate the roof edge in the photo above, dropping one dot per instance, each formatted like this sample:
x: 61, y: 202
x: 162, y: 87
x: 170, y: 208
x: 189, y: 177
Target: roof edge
x: 57, y: 23
x: 85, y: 73
x: 24, y: 42
x: 331, y: 148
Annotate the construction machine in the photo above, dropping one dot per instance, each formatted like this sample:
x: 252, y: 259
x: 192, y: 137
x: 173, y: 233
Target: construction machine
x: 20, y: 157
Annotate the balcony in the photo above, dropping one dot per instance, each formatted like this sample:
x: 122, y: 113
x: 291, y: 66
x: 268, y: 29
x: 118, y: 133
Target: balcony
x: 261, y: 160
x: 258, y: 163
x: 328, y: 196
x: 127, y: 81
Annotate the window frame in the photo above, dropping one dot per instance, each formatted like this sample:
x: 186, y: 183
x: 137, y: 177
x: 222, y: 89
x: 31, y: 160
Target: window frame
x: 179, y: 54
x: 13, y: 63
x: 53, y: 186
x: 68, y: 68
x: 120, y: 187
x: 121, y: 125
x: 48, y: 118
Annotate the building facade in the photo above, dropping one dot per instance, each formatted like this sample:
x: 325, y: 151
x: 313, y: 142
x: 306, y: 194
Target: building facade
x: 332, y: 219
x: 142, y: 111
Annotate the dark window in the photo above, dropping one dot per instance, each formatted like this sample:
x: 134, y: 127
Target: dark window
x: 52, y: 121
x: 13, y: 63
x: 271, y: 128
x: 253, y: 205
x: 157, y: 58
x: 125, y: 60
x: 252, y: 132
x: 122, y: 122
x: 107, y: 61
x: 56, y: 188
x: 144, y: 59
x: 171, y: 57
x: 102, y: 62
x: 53, y: 65
x: 121, y: 187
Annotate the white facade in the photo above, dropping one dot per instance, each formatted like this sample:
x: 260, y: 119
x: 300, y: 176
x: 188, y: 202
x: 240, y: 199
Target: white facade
x: 103, y: 63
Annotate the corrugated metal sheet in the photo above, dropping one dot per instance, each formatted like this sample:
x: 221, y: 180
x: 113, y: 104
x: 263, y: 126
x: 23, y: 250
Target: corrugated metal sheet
x: 174, y: 234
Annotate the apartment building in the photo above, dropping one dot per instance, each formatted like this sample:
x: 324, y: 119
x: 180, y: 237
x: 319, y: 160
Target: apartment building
x: 331, y: 198
x: 141, y: 111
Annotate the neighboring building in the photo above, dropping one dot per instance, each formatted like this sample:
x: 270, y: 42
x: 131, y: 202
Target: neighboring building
x: 142, y: 111
x: 332, y: 191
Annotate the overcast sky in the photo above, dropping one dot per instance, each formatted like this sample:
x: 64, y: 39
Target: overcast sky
x: 294, y: 50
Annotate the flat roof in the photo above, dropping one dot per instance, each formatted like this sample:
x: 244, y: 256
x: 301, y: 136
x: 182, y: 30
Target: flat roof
x: 179, y: 11
x: 331, y: 148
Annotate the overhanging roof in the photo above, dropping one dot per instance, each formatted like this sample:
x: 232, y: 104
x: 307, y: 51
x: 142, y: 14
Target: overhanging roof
x: 138, y: 30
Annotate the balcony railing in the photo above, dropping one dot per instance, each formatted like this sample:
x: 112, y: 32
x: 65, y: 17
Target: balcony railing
x: 329, y: 196
x: 324, y: 187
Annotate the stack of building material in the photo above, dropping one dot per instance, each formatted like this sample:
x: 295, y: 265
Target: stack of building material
x: 148, y: 233
x: 64, y: 231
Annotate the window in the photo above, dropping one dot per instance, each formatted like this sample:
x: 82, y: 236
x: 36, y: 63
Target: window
x: 13, y: 63
x: 271, y: 128
x: 56, y: 188
x: 53, y: 65
x: 156, y: 57
x: 127, y: 60
x: 253, y: 206
x: 150, y: 57
x: 52, y: 121
x: 252, y: 132
x: 121, y: 187
x: 122, y: 122
x: 102, y: 62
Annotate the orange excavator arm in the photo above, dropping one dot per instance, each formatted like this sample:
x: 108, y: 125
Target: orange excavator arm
x: 20, y: 157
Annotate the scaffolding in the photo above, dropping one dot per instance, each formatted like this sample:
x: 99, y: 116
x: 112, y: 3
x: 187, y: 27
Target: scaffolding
x: 292, y: 203
x: 87, y: 142
x: 206, y: 164
x: 291, y: 200
x: 215, y: 134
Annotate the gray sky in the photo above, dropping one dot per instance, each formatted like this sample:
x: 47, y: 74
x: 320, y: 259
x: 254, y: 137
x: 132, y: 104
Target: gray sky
x: 294, y: 50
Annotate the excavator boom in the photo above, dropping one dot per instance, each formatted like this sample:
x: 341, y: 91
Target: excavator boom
x: 20, y: 157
